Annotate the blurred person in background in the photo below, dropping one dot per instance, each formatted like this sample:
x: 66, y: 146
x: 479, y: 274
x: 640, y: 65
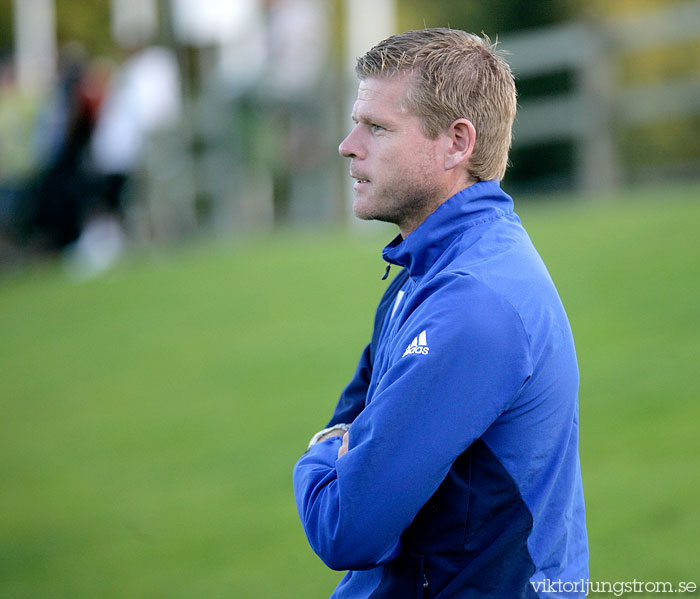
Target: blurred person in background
x: 60, y: 191
x: 89, y: 137
x: 143, y: 96
x: 62, y: 133
x: 450, y: 466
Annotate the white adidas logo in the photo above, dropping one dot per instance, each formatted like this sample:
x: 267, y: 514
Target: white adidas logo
x: 419, y: 345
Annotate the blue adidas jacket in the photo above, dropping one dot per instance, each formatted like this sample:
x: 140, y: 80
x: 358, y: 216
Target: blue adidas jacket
x: 462, y: 478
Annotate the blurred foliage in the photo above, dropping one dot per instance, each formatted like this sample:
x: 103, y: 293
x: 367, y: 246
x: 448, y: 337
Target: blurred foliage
x: 75, y: 20
x: 505, y: 16
x: 623, y: 7
x: 89, y: 24
x: 5, y: 27
x: 496, y: 17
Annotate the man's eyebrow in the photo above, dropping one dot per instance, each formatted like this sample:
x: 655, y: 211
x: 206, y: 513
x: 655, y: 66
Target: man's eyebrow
x: 369, y: 119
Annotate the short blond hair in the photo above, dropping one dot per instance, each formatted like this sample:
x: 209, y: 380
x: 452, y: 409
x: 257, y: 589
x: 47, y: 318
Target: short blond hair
x: 457, y: 75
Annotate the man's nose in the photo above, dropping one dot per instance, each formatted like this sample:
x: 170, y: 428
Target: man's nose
x: 349, y: 147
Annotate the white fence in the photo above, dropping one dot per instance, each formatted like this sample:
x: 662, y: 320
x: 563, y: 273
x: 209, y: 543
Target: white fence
x: 599, y: 105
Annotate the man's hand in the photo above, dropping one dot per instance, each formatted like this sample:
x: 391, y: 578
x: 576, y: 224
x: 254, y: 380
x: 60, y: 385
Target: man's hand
x: 344, y: 447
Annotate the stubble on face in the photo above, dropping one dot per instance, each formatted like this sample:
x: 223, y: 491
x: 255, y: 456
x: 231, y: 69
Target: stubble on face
x: 404, y: 199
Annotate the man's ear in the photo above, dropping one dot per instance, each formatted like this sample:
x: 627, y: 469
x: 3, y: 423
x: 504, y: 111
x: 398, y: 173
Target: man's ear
x: 461, y: 137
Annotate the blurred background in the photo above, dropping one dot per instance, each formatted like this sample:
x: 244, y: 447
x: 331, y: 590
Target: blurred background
x: 184, y: 292
x: 158, y: 120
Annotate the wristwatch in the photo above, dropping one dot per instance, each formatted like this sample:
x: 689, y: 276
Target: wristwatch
x: 336, y: 427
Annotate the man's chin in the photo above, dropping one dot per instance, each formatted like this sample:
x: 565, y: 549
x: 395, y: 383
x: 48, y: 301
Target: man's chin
x: 362, y: 211
x: 367, y: 211
x: 364, y: 216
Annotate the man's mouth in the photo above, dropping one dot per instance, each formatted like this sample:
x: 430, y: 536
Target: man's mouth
x: 359, y: 179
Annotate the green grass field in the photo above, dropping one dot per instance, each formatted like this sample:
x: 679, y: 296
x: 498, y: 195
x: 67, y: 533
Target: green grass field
x: 150, y: 418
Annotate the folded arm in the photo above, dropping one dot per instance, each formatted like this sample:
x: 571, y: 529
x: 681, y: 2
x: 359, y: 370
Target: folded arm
x: 427, y: 409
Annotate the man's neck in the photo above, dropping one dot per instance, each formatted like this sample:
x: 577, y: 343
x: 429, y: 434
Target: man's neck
x: 412, y: 223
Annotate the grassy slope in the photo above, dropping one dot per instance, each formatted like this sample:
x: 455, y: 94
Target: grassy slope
x: 150, y: 418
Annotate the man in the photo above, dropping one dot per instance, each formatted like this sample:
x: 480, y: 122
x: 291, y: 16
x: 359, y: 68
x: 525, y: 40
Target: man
x: 450, y: 467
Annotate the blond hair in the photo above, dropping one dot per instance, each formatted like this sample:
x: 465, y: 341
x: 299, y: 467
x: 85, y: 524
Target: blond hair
x: 457, y: 75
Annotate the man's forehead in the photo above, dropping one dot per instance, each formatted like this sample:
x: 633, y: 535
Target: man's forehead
x: 382, y: 88
x: 382, y: 94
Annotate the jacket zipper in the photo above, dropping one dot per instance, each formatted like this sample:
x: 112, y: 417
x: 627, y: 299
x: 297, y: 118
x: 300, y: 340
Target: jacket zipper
x: 421, y: 578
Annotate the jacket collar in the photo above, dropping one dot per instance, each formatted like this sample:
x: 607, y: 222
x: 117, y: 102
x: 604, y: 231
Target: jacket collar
x: 478, y: 203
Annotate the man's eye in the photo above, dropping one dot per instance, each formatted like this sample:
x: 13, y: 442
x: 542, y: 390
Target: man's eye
x: 376, y: 128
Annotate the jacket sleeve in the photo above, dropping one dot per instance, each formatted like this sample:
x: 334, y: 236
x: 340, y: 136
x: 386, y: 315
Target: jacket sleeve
x: 429, y: 406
